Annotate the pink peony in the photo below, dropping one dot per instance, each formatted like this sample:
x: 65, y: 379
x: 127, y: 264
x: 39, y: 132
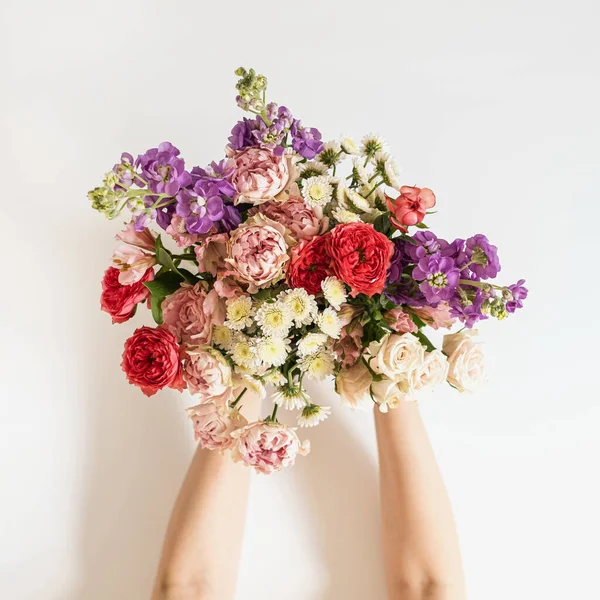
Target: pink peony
x: 191, y: 312
x: 207, y: 374
x: 213, y: 425
x: 257, y: 252
x: 436, y: 317
x: 179, y: 233
x: 303, y: 222
x: 259, y: 175
x: 410, y: 207
x: 267, y: 446
x: 400, y: 321
x: 211, y: 254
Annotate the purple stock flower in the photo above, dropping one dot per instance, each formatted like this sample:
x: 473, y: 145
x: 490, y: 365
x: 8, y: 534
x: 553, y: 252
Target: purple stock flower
x: 306, y: 141
x: 397, y: 263
x: 270, y: 136
x: 163, y: 169
x: 406, y: 292
x: 482, y: 256
x: 426, y: 243
x: 125, y: 173
x: 439, y: 277
x: 518, y: 293
x: 468, y: 311
x: 218, y: 173
x: 241, y: 135
x: 231, y: 217
x: 202, y: 207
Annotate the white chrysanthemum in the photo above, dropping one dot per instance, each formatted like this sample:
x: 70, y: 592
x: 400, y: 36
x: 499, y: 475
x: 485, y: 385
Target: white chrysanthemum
x: 313, y: 414
x: 242, y: 351
x: 331, y: 154
x: 274, y: 376
x: 371, y: 144
x: 359, y: 202
x: 334, y: 291
x: 343, y: 215
x: 302, y: 304
x: 245, y: 379
x: 349, y: 146
x: 222, y: 336
x: 312, y: 169
x: 329, y: 323
x: 392, y: 172
x: 311, y: 343
x: 275, y: 318
x: 359, y: 171
x: 239, y: 313
x: 387, y: 169
x: 290, y: 397
x: 317, y: 191
x: 318, y: 365
x: 272, y: 351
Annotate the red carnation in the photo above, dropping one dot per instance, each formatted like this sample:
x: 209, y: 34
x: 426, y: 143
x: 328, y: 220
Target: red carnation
x: 309, y: 264
x: 151, y: 360
x: 120, y: 301
x: 361, y: 257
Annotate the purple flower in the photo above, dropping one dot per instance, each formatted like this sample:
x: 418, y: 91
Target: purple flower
x: 439, y: 277
x: 468, y: 308
x: 306, y: 141
x: 125, y: 172
x: 270, y: 136
x: 405, y: 292
x: 218, y: 173
x: 241, y: 135
x: 398, y: 262
x: 426, y: 243
x: 202, y: 207
x: 518, y: 293
x: 482, y: 256
x: 231, y: 217
x: 163, y: 170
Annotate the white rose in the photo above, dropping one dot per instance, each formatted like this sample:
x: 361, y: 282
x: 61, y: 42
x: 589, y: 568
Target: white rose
x: 397, y: 356
x: 388, y: 393
x: 466, y: 360
x: 353, y: 385
x: 432, y: 372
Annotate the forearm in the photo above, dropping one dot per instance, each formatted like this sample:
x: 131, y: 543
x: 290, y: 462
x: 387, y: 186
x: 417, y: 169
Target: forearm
x: 202, y: 546
x: 421, y: 552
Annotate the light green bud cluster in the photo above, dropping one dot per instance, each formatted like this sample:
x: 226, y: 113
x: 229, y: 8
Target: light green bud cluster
x: 251, y: 90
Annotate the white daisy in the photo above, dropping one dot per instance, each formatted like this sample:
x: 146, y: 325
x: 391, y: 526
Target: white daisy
x: 274, y: 376
x: 275, y: 318
x: 318, y: 365
x: 272, y: 351
x: 348, y: 145
x: 329, y: 323
x: 239, y: 313
x: 359, y: 202
x: 313, y: 414
x: 331, y: 154
x: 311, y: 343
x: 387, y: 169
x: 302, y: 304
x: 222, y: 336
x: 242, y: 351
x: 317, y: 191
x: 343, y: 215
x: 244, y: 378
x: 290, y: 397
x: 334, y: 291
x: 312, y: 169
x: 371, y: 144
x: 359, y: 171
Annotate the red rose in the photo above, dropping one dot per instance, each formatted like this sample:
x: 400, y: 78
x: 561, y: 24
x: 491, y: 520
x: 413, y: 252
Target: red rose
x: 309, y: 264
x: 151, y: 360
x: 410, y: 207
x: 120, y: 301
x: 361, y: 257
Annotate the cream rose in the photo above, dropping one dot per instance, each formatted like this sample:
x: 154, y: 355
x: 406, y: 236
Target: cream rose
x: 396, y: 356
x: 432, y: 372
x: 213, y: 425
x: 388, y: 393
x: 208, y: 375
x: 353, y: 384
x: 466, y: 360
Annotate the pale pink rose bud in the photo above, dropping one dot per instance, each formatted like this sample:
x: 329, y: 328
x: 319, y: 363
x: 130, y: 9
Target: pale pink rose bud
x: 436, y: 317
x: 214, y: 425
x: 400, y: 321
x: 267, y: 446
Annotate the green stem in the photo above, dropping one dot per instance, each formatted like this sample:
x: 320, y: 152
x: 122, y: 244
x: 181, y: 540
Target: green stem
x: 273, y: 416
x: 190, y: 257
x: 235, y: 402
x: 374, y: 188
x: 479, y: 284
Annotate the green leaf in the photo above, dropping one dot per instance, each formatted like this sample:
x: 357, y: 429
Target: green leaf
x: 424, y: 340
x: 160, y: 287
x: 164, y: 258
x: 382, y: 224
x: 408, y: 239
x: 421, y: 226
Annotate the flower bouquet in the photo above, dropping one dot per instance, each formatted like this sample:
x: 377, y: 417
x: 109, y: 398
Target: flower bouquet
x: 290, y: 259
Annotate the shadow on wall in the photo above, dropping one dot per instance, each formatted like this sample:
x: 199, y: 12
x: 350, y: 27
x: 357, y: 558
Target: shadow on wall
x: 339, y: 482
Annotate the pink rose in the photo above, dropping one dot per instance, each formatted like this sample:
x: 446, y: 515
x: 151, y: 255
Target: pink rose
x: 257, y: 252
x: 267, y: 446
x: 191, y: 312
x: 208, y: 374
x: 180, y: 234
x: 120, y: 301
x: 400, y: 321
x: 436, y: 317
x: 211, y: 254
x: 410, y: 207
x: 303, y: 222
x: 259, y: 175
x: 135, y: 257
x: 348, y: 348
x: 213, y: 425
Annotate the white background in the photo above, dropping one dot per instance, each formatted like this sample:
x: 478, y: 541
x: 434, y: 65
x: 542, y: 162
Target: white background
x: 494, y: 105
